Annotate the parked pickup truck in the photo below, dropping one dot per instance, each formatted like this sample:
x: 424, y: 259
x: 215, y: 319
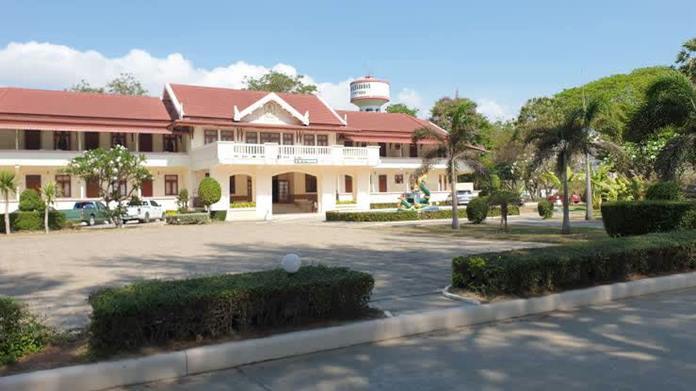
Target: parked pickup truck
x: 143, y: 211
x: 90, y: 212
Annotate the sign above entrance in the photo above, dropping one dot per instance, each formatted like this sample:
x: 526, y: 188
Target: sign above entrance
x: 300, y: 160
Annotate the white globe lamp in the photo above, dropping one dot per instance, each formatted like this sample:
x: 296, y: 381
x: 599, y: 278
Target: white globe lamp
x: 291, y: 263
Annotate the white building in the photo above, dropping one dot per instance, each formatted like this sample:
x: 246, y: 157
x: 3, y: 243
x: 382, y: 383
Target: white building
x: 284, y: 152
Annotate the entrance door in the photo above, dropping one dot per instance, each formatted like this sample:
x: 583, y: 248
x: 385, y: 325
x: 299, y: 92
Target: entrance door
x: 283, y: 191
x: 145, y: 142
x: 382, y: 183
x: 32, y: 139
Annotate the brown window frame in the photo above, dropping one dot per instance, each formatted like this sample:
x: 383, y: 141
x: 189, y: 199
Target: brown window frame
x: 146, y: 188
x: 413, y: 150
x: 227, y: 135
x: 210, y: 136
x: 63, y: 182
x: 306, y: 141
x: 348, y: 184
x: 310, y: 183
x: 269, y: 137
x: 92, y: 188
x: 399, y: 179
x: 322, y: 140
x: 59, y: 137
x: 251, y: 137
x: 32, y: 140
x: 380, y: 182
x: 288, y: 139
x: 171, y: 185
x: 116, y: 139
x: 32, y: 178
x: 170, y: 140
x: 92, y: 140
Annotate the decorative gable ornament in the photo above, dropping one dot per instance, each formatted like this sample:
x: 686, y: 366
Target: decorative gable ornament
x: 271, y: 97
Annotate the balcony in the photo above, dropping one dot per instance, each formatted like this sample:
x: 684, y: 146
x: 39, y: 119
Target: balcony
x: 51, y: 158
x: 227, y: 152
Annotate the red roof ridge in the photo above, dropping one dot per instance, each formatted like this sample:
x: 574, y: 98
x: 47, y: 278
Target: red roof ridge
x: 67, y: 92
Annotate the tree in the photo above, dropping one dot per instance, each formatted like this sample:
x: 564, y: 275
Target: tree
x: 279, y: 82
x: 209, y: 192
x: 48, y: 193
x: 670, y: 104
x: 591, y: 114
x: 8, y: 185
x: 686, y: 60
x: 84, y: 86
x: 111, y: 170
x: 504, y: 199
x: 402, y: 108
x: 126, y: 84
x: 564, y: 141
x: 458, y: 145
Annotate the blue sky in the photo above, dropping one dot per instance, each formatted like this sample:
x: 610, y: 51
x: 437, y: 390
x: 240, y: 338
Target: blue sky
x: 498, y: 53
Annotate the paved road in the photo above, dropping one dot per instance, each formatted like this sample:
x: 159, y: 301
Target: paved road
x: 55, y: 273
x: 646, y: 343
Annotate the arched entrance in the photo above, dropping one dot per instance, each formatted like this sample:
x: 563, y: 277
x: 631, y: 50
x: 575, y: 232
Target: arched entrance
x: 294, y: 192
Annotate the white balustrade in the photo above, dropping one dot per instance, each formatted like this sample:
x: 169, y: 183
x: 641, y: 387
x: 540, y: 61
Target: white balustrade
x: 272, y: 153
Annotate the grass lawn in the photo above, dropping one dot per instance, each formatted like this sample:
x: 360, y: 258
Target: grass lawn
x: 518, y: 232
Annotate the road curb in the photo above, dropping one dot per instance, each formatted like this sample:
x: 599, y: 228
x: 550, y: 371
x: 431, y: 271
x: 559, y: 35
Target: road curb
x: 232, y: 354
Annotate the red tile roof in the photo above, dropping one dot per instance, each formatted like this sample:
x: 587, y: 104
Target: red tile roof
x: 376, y: 125
x: 218, y: 103
x: 63, y: 110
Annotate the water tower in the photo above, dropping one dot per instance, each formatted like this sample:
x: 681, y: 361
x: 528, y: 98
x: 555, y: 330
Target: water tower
x: 369, y: 94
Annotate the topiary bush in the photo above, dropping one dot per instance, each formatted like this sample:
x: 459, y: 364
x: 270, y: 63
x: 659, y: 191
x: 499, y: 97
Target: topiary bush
x: 30, y: 200
x: 557, y: 268
x: 209, y: 191
x: 623, y: 218
x: 668, y: 191
x: 477, y: 210
x: 242, y: 204
x: 155, y: 311
x: 688, y: 220
x: 545, y: 208
x: 218, y: 215
x: 20, y: 331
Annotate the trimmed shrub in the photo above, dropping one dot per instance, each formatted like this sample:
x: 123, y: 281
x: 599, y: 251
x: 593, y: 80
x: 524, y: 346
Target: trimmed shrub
x: 243, y: 205
x: 218, y: 215
x: 30, y: 200
x: 557, y: 268
x: 209, y: 191
x: 407, y: 215
x: 668, y: 190
x: 188, y: 218
x: 20, y: 331
x: 34, y: 221
x: 155, y: 312
x: 346, y: 202
x: 477, y: 210
x: 545, y: 208
x: 688, y: 220
x: 622, y: 218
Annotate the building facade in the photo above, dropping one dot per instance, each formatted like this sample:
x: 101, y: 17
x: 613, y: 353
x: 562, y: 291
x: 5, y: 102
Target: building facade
x: 282, y: 152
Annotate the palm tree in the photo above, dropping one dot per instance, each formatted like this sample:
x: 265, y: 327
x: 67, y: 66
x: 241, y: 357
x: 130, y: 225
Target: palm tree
x: 670, y: 103
x: 48, y: 193
x: 7, y: 187
x: 590, y: 114
x: 458, y: 146
x: 565, y: 141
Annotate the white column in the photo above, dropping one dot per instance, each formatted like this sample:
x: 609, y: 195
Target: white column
x: 327, y: 191
x: 361, y: 187
x: 83, y: 192
x: 17, y: 139
x: 264, y: 194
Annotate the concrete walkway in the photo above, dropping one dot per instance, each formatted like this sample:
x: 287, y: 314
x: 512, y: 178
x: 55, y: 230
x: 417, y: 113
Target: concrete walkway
x: 646, y: 343
x: 55, y: 273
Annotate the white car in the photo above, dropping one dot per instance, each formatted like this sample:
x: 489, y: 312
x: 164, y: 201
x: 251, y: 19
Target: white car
x: 463, y: 197
x: 143, y: 211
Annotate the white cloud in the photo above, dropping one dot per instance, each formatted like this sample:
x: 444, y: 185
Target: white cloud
x: 493, y: 110
x: 411, y: 98
x: 47, y: 65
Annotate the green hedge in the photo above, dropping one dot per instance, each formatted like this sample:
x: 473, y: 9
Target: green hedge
x: 155, y: 312
x: 624, y: 218
x: 188, y: 218
x: 665, y: 191
x: 407, y: 215
x: 550, y: 269
x: 545, y: 208
x: 218, y: 215
x: 33, y: 221
x: 20, y: 331
x: 478, y: 209
x: 240, y: 204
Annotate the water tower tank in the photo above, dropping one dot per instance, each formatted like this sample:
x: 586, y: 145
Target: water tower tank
x: 369, y: 94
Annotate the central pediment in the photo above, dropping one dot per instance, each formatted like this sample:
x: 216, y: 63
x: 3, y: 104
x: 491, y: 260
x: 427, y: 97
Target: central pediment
x: 272, y: 110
